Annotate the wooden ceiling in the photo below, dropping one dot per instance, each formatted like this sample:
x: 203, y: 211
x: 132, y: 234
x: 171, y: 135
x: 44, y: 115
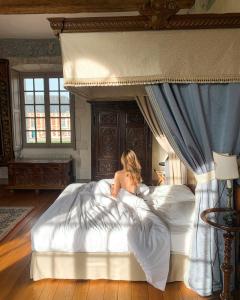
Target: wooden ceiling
x: 67, y: 6
x: 77, y: 6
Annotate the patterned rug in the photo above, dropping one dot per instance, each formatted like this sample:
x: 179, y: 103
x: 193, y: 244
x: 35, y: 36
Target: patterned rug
x: 10, y: 217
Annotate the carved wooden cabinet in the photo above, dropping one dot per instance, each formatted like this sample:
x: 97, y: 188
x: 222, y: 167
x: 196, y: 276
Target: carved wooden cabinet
x: 39, y: 174
x: 6, y: 142
x: 117, y: 126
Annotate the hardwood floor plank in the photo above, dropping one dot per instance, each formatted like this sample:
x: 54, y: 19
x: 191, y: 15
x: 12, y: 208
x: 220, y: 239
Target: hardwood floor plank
x: 124, y: 290
x: 10, y: 275
x: 111, y: 290
x: 49, y: 289
x: 96, y: 290
x: 172, y: 292
x: 186, y: 294
x: 139, y: 291
x: 81, y: 289
x: 65, y: 290
x: 154, y: 294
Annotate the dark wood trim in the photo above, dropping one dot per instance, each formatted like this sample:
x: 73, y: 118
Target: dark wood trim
x: 79, y: 6
x: 68, y: 6
x: 144, y: 22
x: 6, y: 136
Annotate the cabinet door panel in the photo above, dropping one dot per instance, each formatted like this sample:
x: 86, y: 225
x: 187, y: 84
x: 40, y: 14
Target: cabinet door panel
x: 106, y: 139
x: 117, y: 126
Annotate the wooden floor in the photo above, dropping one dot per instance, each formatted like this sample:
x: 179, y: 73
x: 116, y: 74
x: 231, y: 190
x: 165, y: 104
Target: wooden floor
x: 15, y: 255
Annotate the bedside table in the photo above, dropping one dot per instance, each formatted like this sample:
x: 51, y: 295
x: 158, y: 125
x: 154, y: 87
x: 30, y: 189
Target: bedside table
x: 228, y: 235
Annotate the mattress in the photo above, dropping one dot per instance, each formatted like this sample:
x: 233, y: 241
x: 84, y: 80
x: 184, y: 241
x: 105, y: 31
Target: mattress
x: 173, y: 204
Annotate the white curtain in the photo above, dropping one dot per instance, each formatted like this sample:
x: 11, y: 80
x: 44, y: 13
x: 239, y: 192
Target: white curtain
x: 177, y: 172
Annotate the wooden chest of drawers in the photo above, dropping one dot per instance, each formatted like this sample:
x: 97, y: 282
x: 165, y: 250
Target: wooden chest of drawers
x: 39, y: 174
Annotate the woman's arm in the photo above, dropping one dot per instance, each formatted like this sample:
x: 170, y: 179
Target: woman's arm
x: 116, y: 186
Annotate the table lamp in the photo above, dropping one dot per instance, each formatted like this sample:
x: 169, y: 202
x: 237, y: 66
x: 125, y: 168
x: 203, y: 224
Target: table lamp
x: 226, y: 168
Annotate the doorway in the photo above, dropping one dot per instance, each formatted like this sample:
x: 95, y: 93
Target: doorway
x: 117, y: 126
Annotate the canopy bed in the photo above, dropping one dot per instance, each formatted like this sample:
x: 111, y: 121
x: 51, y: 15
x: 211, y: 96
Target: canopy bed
x: 193, y: 91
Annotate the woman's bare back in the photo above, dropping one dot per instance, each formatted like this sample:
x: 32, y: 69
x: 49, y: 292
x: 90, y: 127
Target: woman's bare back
x: 122, y: 179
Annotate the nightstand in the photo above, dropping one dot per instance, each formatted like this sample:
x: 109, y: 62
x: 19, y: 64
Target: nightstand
x: 228, y: 235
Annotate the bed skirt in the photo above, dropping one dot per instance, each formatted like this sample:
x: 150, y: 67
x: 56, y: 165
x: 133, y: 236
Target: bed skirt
x: 83, y: 265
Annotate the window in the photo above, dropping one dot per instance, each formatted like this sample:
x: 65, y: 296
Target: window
x: 47, y: 110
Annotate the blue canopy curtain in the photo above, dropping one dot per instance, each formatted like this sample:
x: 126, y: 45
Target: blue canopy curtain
x: 198, y: 119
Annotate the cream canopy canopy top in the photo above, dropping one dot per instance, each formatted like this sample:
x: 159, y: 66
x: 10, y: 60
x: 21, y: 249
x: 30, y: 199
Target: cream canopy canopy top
x: 148, y: 57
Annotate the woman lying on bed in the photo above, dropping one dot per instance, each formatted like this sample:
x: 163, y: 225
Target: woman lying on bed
x: 129, y: 177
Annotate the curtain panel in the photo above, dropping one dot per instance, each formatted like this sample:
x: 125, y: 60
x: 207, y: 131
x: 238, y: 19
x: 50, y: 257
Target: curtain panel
x: 147, y: 57
x: 177, y: 172
x: 198, y: 119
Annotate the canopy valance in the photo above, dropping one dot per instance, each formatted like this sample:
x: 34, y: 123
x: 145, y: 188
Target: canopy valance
x: 129, y: 58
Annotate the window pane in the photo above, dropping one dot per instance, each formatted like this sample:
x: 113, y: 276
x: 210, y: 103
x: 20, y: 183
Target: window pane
x: 53, y: 84
x: 65, y: 124
x: 64, y: 97
x: 39, y: 97
x: 29, y: 99
x: 40, y: 123
x: 38, y: 84
x: 54, y: 97
x: 41, y: 137
x: 55, y: 137
x: 66, y: 137
x: 29, y: 111
x: 30, y: 123
x: 54, y: 111
x: 62, y: 84
x: 28, y: 84
x: 40, y: 111
x: 55, y: 124
x: 31, y: 136
x: 65, y: 111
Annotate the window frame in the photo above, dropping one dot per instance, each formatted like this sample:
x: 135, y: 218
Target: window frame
x: 48, y: 143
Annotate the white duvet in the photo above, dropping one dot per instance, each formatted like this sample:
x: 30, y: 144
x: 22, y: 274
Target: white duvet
x: 85, y: 218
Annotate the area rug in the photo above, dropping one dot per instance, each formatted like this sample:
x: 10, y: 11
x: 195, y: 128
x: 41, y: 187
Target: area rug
x: 10, y: 217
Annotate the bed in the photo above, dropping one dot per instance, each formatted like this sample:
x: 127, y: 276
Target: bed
x: 62, y: 250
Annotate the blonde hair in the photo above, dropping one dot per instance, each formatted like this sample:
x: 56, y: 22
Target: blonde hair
x: 132, y: 165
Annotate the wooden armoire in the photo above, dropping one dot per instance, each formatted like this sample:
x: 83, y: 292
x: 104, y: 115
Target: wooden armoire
x: 117, y: 126
x: 6, y: 141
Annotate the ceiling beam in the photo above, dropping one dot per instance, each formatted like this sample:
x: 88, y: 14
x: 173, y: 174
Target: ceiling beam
x: 67, y: 6
x: 81, y: 6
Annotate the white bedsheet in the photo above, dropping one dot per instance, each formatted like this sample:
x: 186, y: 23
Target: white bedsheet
x: 86, y: 219
x: 175, y: 205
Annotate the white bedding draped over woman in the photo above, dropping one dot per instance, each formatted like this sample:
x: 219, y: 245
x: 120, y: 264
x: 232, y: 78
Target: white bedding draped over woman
x: 88, y: 219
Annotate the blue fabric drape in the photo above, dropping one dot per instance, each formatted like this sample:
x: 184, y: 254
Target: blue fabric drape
x: 198, y: 119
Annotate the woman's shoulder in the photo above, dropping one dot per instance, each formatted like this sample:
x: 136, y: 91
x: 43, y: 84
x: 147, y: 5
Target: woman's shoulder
x: 120, y: 174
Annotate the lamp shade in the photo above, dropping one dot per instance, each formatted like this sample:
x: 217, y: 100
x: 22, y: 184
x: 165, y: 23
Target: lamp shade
x: 226, y: 166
